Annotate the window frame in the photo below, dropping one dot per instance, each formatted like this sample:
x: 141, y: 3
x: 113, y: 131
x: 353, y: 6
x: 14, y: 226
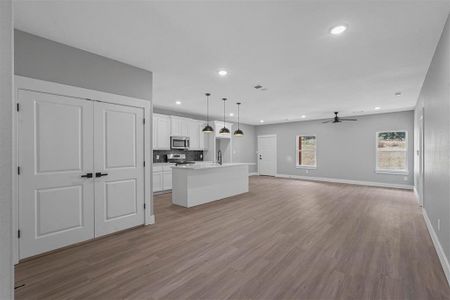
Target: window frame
x: 297, y: 165
x: 389, y: 171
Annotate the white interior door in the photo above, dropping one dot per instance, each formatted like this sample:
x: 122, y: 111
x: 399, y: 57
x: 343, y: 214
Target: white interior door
x: 119, y: 167
x: 267, y: 155
x: 56, y: 149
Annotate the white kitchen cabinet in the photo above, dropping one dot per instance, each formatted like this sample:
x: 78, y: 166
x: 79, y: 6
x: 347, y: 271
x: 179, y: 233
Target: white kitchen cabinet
x: 162, y: 178
x: 157, y: 181
x: 167, y: 180
x: 161, y: 132
x: 179, y: 126
x: 176, y: 126
x: 194, y: 134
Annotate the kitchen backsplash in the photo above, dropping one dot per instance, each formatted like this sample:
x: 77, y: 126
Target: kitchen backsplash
x: 190, y: 155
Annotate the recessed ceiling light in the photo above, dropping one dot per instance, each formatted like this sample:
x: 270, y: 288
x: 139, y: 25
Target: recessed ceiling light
x: 377, y: 108
x: 303, y: 116
x: 398, y: 94
x: 178, y: 102
x: 339, y: 29
x: 223, y: 73
x: 231, y: 115
x: 261, y: 121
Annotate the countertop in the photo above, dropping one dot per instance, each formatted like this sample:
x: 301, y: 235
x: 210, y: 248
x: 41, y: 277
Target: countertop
x: 208, y: 166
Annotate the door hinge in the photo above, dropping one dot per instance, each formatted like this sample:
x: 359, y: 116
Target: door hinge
x: 143, y: 121
x: 18, y: 234
x: 18, y: 170
x: 144, y: 163
x: 18, y: 106
x: 144, y: 206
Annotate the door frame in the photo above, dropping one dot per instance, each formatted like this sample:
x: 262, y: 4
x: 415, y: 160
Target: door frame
x: 421, y: 156
x: 276, y: 154
x: 36, y: 85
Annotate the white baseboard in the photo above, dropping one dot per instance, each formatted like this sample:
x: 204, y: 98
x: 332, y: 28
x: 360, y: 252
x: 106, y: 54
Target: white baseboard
x: 437, y: 245
x: 347, y: 181
x: 253, y: 174
x: 417, y: 195
x: 151, y: 220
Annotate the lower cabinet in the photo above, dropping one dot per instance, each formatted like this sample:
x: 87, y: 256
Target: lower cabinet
x: 167, y: 180
x: 162, y: 178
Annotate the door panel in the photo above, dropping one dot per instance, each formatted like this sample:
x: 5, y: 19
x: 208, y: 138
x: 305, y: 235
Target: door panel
x: 56, y: 148
x: 267, y: 159
x: 119, y: 157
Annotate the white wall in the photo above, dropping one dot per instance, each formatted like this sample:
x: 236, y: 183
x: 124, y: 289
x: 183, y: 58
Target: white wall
x: 435, y: 100
x: 345, y: 150
x: 6, y: 67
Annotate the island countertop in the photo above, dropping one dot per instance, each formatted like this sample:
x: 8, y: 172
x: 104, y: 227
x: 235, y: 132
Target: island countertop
x: 208, y: 166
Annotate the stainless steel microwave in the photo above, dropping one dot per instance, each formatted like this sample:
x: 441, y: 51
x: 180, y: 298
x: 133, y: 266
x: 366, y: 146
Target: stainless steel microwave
x: 179, y: 142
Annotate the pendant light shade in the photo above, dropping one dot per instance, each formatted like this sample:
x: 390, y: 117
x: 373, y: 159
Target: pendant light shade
x: 238, y: 131
x: 224, y: 130
x: 208, y: 128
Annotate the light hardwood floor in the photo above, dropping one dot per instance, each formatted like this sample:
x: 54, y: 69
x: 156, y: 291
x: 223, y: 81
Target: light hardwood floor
x: 285, y: 239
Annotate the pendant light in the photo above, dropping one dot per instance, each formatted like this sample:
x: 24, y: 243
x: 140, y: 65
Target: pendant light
x: 208, y: 128
x: 238, y: 131
x: 224, y: 130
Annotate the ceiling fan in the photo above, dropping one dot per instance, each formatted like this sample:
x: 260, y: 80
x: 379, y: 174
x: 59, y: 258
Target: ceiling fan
x: 336, y: 119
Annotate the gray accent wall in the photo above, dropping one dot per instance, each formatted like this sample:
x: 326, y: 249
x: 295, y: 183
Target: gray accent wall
x: 40, y: 58
x: 244, y: 147
x: 345, y: 150
x: 435, y: 100
x: 6, y: 71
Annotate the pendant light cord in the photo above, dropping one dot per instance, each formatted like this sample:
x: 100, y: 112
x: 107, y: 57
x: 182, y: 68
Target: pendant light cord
x: 207, y: 109
x: 224, y: 99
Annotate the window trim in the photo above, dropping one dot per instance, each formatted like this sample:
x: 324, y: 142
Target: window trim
x: 296, y: 153
x: 387, y: 171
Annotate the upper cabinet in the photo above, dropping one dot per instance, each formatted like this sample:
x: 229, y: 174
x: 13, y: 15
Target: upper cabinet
x: 219, y: 125
x: 165, y: 126
x: 161, y: 132
x: 197, y: 137
x: 180, y: 126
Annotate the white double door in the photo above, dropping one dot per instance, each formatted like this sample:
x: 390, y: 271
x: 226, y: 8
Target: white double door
x: 81, y: 170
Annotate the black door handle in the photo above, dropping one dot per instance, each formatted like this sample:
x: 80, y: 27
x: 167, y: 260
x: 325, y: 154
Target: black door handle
x: 100, y: 174
x: 87, y: 175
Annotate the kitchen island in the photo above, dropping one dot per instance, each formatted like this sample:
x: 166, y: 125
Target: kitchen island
x: 202, y: 183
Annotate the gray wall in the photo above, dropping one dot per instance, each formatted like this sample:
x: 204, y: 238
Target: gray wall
x: 6, y: 58
x: 345, y: 150
x: 435, y: 98
x: 244, y: 147
x: 44, y: 59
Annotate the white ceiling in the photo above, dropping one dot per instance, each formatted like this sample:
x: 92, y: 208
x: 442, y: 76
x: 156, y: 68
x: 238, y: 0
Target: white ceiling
x: 284, y: 46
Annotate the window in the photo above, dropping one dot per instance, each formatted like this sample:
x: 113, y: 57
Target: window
x: 392, y: 152
x: 306, y: 151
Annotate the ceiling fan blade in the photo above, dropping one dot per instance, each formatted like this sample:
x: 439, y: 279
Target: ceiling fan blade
x: 329, y: 121
x: 348, y: 119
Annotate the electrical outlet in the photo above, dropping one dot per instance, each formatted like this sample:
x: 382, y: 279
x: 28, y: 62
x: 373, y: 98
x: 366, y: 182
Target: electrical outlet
x: 439, y: 225
x: 157, y: 156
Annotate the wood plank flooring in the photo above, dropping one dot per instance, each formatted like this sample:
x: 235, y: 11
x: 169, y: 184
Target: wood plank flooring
x: 285, y: 239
